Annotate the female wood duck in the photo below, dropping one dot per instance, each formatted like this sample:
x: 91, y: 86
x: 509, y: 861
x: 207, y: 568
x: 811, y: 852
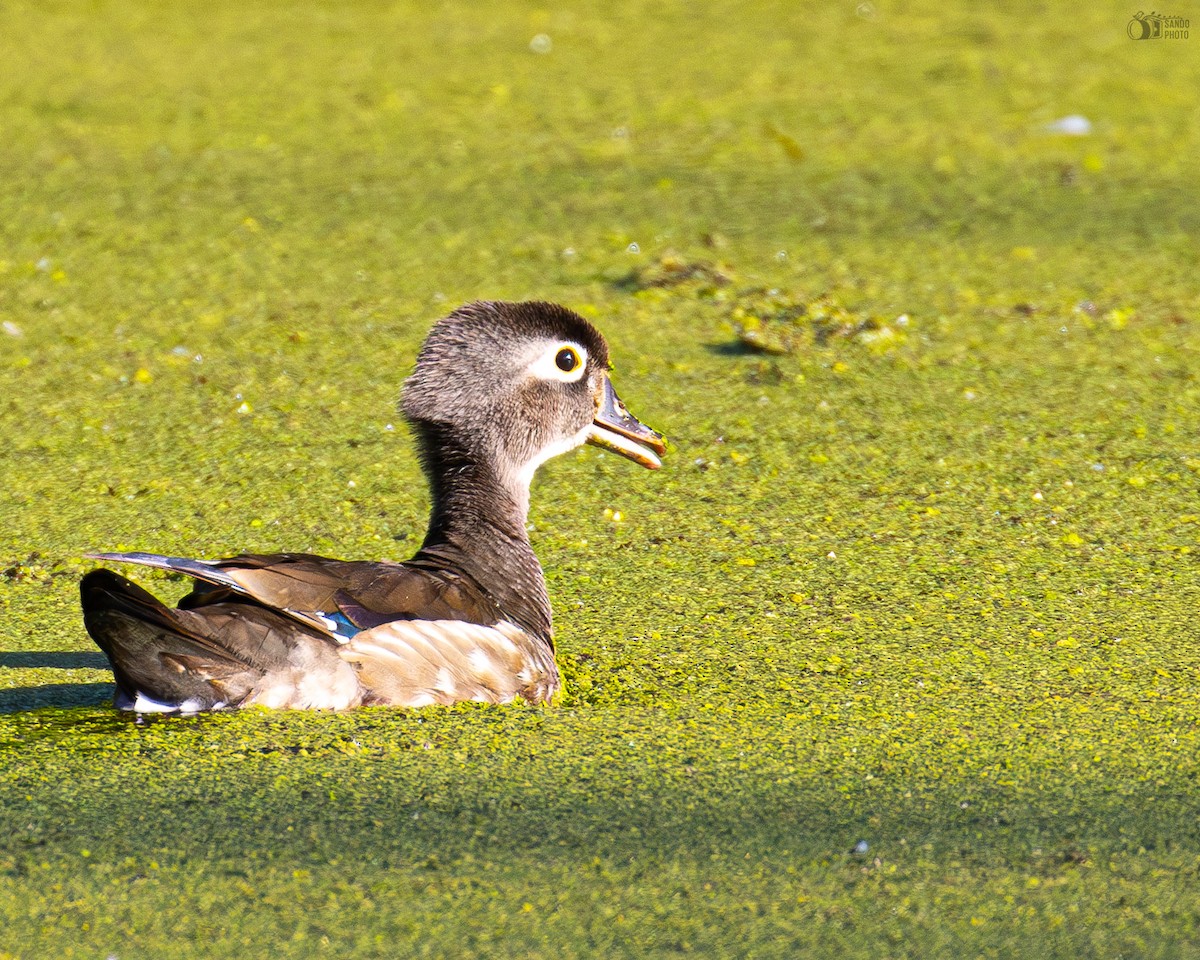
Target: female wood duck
x: 499, y: 388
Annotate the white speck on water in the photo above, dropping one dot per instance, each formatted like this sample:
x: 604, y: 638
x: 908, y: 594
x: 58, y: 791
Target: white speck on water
x: 1062, y: 329
x: 969, y: 394
x: 43, y: 264
x: 244, y: 408
x: 438, y: 298
x: 569, y: 252
x: 902, y: 320
x: 831, y: 555
x: 180, y: 351
x: 1073, y: 125
x: 634, y: 248
x: 198, y: 358
x: 1098, y: 467
x: 861, y: 847
x: 620, y: 133
x: 781, y: 255
x: 541, y: 43
x: 11, y: 328
x: 866, y: 11
x: 351, y: 484
x: 388, y: 427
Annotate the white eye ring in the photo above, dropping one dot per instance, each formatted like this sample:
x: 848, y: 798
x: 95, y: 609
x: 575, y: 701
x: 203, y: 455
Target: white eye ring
x: 564, y: 361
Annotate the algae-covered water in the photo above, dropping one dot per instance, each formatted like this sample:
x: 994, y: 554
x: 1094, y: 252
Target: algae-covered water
x: 896, y: 656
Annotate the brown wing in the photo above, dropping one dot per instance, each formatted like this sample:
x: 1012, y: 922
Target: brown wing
x: 367, y: 592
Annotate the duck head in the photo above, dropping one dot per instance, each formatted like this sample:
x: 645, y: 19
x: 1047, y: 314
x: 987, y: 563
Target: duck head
x: 507, y: 386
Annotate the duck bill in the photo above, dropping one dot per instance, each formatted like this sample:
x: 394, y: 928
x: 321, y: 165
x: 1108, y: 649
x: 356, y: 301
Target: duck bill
x: 616, y: 429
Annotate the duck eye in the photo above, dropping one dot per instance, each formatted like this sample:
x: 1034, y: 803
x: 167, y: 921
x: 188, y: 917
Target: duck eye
x: 559, y: 361
x: 567, y: 360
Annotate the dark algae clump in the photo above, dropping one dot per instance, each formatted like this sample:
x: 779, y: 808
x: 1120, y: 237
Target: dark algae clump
x: 768, y: 321
x: 894, y: 658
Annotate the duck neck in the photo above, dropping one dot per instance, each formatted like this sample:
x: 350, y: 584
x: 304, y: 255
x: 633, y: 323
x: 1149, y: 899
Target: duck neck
x: 477, y: 529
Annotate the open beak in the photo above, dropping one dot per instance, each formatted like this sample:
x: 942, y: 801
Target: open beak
x: 616, y: 429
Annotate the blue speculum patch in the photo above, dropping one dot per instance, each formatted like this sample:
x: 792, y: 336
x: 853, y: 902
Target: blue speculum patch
x: 341, y: 625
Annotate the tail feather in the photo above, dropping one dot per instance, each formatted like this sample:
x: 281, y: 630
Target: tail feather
x: 218, y: 655
x: 202, y: 569
x: 154, y: 655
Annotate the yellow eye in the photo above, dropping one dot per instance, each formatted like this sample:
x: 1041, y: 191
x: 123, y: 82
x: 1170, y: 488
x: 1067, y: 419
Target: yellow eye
x: 559, y: 361
x: 567, y: 360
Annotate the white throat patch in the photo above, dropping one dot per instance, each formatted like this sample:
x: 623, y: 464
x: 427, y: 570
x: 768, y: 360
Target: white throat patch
x: 525, y: 477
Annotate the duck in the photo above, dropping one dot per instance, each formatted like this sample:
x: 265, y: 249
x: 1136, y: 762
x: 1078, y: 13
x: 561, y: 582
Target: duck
x: 498, y: 389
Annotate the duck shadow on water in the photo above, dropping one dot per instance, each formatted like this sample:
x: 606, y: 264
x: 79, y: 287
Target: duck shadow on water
x: 20, y: 699
x: 53, y: 660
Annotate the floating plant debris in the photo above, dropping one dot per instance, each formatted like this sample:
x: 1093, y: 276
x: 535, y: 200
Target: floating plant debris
x: 774, y: 322
x: 673, y: 270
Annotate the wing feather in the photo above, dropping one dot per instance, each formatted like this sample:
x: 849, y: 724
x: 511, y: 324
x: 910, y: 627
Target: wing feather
x: 307, y: 588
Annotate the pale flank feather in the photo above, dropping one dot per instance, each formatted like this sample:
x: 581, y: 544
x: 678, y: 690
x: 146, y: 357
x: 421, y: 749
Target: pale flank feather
x: 416, y: 663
